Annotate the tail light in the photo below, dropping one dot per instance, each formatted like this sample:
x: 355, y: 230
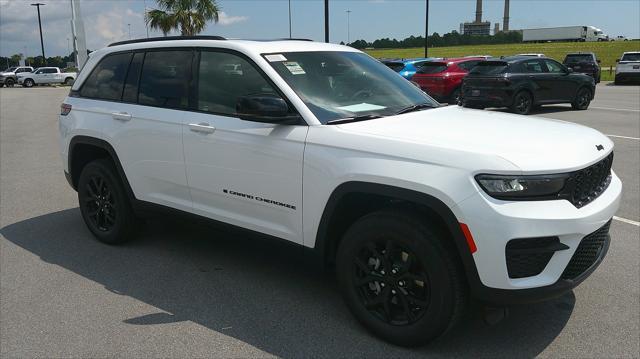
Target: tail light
x: 65, y: 108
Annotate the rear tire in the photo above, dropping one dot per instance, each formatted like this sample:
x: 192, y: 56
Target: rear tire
x: 104, y: 203
x: 68, y: 81
x: 454, y: 98
x: 522, y: 103
x: 399, y: 279
x: 582, y: 100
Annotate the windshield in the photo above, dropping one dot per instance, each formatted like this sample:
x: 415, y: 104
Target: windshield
x: 631, y: 57
x: 490, y: 68
x: 339, y: 85
x: 573, y: 59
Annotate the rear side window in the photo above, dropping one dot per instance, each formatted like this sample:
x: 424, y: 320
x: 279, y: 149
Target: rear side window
x: 432, y: 68
x: 131, y: 84
x: 225, y: 77
x: 107, y: 78
x: 165, y: 79
x: 490, y: 68
x: 532, y: 66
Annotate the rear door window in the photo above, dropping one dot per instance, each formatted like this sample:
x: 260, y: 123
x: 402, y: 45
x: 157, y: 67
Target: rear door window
x: 107, y: 78
x: 166, y: 78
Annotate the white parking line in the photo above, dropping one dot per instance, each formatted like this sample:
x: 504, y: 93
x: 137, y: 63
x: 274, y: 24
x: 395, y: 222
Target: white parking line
x: 614, y: 109
x: 625, y: 137
x: 637, y: 224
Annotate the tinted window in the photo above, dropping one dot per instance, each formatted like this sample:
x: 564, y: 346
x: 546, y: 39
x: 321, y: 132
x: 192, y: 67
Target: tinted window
x: 165, y: 79
x: 631, y: 57
x: 532, y: 66
x: 554, y: 67
x: 577, y: 58
x: 223, y: 78
x: 490, y: 68
x: 395, y: 66
x: 107, y: 78
x: 131, y: 84
x: 468, y: 65
x: 432, y: 68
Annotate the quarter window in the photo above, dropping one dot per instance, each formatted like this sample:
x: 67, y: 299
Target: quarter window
x: 165, y: 79
x: 225, y: 77
x: 107, y: 79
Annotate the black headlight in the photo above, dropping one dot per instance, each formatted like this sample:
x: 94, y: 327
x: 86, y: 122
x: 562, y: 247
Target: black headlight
x: 522, y: 187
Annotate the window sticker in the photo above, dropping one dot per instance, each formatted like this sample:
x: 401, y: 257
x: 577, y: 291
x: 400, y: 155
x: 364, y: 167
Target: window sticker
x: 275, y: 58
x: 294, y: 68
x: 360, y: 107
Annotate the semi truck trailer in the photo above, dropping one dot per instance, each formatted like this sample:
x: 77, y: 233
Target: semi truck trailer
x: 566, y: 33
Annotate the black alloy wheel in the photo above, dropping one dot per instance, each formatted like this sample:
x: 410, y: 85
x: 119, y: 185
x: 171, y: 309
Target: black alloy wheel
x: 522, y: 103
x: 104, y: 203
x: 101, y: 205
x: 582, y: 100
x: 391, y: 282
x: 9, y: 82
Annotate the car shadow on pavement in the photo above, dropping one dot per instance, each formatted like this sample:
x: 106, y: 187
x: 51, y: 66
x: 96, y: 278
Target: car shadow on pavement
x: 264, y: 293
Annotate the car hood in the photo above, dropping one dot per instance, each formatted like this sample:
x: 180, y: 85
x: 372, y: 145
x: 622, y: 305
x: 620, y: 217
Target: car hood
x: 531, y: 143
x: 6, y: 73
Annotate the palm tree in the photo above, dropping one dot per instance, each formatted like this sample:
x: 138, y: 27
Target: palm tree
x: 188, y: 16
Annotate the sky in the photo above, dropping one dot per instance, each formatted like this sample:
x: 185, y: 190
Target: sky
x: 108, y: 21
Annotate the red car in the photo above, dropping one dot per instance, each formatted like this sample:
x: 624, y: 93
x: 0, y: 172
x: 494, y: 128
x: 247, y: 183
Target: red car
x: 442, y: 79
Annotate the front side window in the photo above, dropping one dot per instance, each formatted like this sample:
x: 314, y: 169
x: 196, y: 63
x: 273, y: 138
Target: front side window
x: 107, y: 78
x: 533, y: 66
x: 554, y: 67
x: 225, y: 77
x: 165, y: 79
x: 338, y: 85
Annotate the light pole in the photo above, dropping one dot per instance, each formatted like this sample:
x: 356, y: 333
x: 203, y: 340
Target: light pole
x: 129, y: 25
x: 44, y: 59
x: 326, y: 20
x: 289, y: 18
x: 348, y: 28
x: 68, y: 46
x: 426, y: 31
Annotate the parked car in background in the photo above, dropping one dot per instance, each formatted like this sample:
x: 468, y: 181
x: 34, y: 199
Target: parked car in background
x: 406, y: 67
x: 520, y: 83
x: 442, y: 79
x: 628, y: 68
x: 46, y: 75
x: 584, y: 62
x: 620, y: 38
x: 9, y: 76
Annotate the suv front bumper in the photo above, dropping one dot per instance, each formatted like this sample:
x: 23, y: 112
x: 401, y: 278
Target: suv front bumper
x: 493, y: 223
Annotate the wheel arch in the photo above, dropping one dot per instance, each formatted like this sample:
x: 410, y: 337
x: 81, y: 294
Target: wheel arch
x: 351, y: 200
x: 84, y: 149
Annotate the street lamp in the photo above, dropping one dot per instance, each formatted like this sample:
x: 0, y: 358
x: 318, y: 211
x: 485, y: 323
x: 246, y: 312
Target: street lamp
x: 129, y: 25
x: 348, y: 28
x: 426, y: 31
x: 44, y: 59
x: 289, y: 18
x: 326, y: 20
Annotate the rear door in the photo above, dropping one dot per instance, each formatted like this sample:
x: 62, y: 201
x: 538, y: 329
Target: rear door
x: 540, y: 80
x: 245, y: 173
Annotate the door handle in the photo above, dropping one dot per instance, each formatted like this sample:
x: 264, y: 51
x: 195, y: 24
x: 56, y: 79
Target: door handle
x: 121, y: 116
x: 201, y: 127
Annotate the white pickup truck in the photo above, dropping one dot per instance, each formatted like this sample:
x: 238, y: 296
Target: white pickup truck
x: 46, y: 75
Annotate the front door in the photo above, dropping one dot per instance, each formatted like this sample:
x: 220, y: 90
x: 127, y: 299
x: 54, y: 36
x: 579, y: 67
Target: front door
x: 245, y: 173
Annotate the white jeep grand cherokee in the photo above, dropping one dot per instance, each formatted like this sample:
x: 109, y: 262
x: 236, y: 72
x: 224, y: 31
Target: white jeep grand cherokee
x: 417, y: 207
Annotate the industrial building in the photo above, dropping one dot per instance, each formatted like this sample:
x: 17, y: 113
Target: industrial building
x: 479, y: 27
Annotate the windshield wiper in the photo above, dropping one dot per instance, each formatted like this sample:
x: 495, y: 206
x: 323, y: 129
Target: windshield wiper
x: 352, y: 119
x: 417, y: 107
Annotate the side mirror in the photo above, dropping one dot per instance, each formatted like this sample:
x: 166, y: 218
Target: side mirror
x: 569, y: 70
x: 265, y: 108
x: 617, y: 60
x: 598, y: 61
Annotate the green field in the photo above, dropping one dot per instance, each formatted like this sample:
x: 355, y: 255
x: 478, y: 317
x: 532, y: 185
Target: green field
x: 607, y: 52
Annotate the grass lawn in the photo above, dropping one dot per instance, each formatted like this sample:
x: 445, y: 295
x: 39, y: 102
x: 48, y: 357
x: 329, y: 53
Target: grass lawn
x: 607, y: 52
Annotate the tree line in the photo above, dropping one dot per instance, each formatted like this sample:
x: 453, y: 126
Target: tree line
x: 436, y: 40
x: 36, y: 61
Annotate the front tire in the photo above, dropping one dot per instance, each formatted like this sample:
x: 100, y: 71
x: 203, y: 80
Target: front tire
x: 104, y: 204
x: 398, y: 278
x: 582, y: 100
x: 522, y: 103
x: 9, y: 82
x: 28, y: 83
x: 68, y: 81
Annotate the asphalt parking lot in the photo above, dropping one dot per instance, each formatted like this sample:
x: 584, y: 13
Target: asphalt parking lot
x: 187, y: 290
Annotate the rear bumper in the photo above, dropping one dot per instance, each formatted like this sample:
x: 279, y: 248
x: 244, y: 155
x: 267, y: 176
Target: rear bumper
x: 488, y: 97
x: 628, y: 76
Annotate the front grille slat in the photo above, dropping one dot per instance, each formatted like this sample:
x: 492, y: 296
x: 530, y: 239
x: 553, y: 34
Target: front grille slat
x: 587, y: 253
x: 586, y: 185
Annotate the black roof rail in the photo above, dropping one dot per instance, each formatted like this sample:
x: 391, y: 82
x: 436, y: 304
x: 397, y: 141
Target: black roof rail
x: 167, y: 38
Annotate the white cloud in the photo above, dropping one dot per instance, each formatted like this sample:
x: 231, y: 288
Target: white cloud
x: 225, y: 19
